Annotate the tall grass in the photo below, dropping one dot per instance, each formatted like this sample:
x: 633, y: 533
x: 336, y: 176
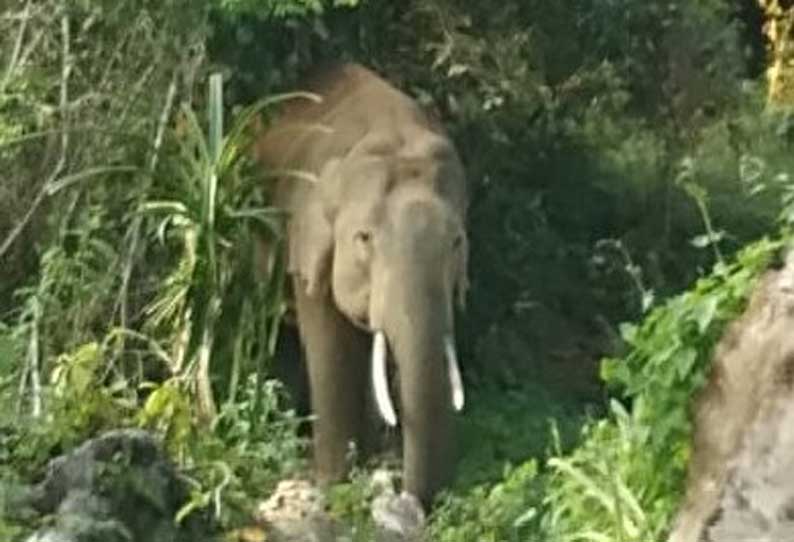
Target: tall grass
x: 220, y: 313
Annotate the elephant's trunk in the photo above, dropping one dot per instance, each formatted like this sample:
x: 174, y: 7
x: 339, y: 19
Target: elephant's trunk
x: 418, y: 329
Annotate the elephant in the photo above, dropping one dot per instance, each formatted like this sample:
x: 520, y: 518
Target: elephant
x: 376, y: 251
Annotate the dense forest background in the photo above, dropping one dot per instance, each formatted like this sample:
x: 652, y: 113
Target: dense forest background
x: 618, y: 152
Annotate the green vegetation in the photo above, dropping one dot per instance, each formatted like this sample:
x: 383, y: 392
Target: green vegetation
x: 279, y: 8
x: 625, y: 479
x: 624, y: 166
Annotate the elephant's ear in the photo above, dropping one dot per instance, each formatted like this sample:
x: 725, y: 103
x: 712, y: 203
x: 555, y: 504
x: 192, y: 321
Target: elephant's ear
x: 311, y: 236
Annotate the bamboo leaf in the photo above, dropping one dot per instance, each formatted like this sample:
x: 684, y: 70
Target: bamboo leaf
x: 215, y: 109
x: 245, y: 118
x: 69, y: 180
x: 590, y: 486
x: 175, y: 207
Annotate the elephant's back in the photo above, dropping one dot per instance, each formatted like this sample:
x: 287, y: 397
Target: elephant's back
x: 361, y: 112
x: 354, y: 102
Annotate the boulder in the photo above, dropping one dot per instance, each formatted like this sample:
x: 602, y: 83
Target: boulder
x: 297, y: 512
x: 757, y: 502
x: 740, y: 484
x: 117, y: 487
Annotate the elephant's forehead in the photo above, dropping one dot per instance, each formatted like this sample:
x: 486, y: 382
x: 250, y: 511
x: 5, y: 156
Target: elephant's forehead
x: 365, y: 176
x: 381, y: 174
x: 405, y: 206
x: 420, y: 209
x: 376, y: 186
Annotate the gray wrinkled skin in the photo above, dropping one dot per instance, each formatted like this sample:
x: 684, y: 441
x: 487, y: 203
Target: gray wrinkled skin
x: 376, y: 241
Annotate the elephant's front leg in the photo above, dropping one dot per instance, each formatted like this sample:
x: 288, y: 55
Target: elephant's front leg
x: 337, y: 360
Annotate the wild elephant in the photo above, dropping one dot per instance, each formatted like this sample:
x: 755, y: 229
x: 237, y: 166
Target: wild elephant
x: 377, y: 254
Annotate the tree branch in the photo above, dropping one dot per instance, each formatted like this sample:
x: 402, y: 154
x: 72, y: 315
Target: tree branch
x: 66, y: 69
x: 12, y: 63
x: 135, y: 228
x: 34, y: 360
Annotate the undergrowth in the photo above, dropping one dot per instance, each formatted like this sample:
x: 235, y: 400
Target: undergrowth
x: 194, y: 370
x: 242, y: 458
x: 623, y: 481
x: 111, y: 328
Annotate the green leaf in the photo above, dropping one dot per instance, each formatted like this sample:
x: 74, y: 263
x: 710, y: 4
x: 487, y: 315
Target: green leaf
x: 614, y: 371
x: 705, y: 311
x: 215, y: 137
x: 75, y: 372
x: 628, y: 332
x: 69, y: 180
x: 684, y: 362
x: 706, y: 240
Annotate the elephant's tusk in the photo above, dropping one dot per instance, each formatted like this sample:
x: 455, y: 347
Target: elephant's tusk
x: 380, y: 380
x: 455, y: 380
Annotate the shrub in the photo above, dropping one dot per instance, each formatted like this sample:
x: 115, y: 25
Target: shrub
x: 624, y: 481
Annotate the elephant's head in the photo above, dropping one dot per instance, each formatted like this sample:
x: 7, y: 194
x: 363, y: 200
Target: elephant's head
x: 391, y: 249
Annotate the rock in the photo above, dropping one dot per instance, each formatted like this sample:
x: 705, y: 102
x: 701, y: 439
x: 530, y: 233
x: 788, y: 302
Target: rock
x: 296, y: 512
x: 383, y: 481
x: 740, y: 484
x: 118, y: 487
x: 398, y: 518
x: 292, y: 500
x: 82, y: 528
x: 758, y: 499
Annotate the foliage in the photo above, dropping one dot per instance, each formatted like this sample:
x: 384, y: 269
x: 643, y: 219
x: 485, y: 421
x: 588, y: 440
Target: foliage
x: 624, y: 481
x: 778, y: 30
x: 89, y: 89
x: 351, y: 503
x: 254, y: 445
x: 72, y: 414
x: 492, y: 512
x: 92, y: 341
x: 604, y: 491
x: 281, y: 8
x: 246, y: 454
x: 86, y: 91
x: 504, y: 427
x: 636, y: 109
x: 83, y: 396
x: 552, y: 106
x: 217, y: 210
x: 63, y: 309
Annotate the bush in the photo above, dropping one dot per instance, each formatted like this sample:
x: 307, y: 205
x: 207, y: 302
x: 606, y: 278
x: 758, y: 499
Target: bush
x: 108, y: 328
x: 635, y: 108
x: 624, y: 481
x: 503, y: 511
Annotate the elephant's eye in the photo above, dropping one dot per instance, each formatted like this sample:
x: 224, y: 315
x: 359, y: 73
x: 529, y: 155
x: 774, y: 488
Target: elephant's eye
x: 362, y: 243
x: 458, y: 242
x: 363, y: 237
